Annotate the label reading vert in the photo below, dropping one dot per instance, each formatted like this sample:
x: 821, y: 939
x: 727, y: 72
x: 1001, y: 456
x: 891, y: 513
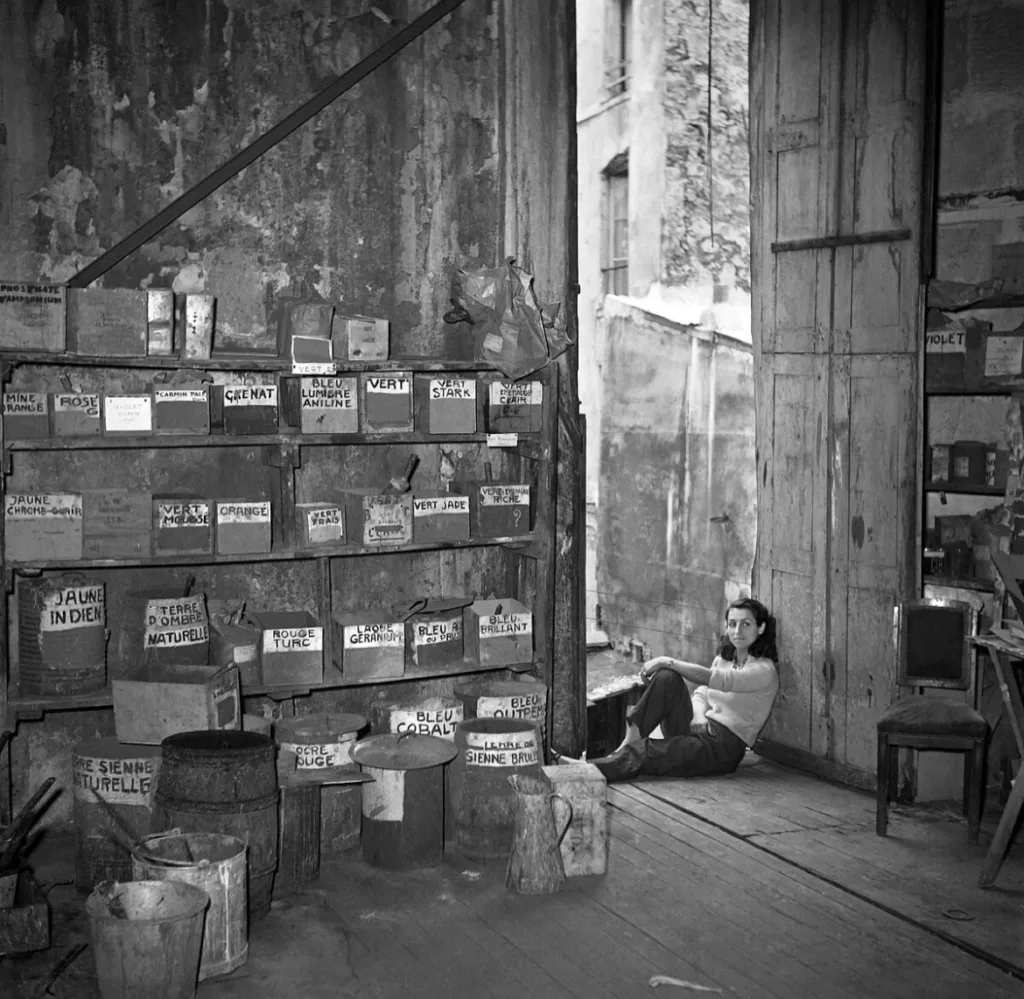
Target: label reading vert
x: 504, y: 495
x: 505, y: 625
x: 437, y: 505
x: 250, y: 395
x: 393, y: 385
x: 384, y: 636
x: 74, y: 607
x: 452, y: 388
x: 243, y: 513
x: 280, y: 640
x: 25, y: 404
x: 53, y: 506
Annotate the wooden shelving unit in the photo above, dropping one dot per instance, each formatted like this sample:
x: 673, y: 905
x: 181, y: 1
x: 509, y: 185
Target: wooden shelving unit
x: 956, y: 487
x: 536, y: 547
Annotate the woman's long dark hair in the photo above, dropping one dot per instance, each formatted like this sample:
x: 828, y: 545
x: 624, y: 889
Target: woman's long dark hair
x: 764, y: 646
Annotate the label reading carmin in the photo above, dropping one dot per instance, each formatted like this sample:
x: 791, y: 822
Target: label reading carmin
x: 119, y: 782
x: 25, y: 404
x: 243, y: 513
x: 526, y: 705
x: 437, y: 632
x: 279, y: 640
x: 250, y: 395
x: 507, y: 749
x: 329, y: 393
x: 362, y: 636
x: 55, y: 506
x: 74, y: 607
x: 388, y: 385
x: 505, y: 625
x: 504, y: 495
x: 179, y: 395
x: 517, y: 394
x: 452, y: 388
x: 438, y: 505
x: 171, y: 515
x: 440, y: 722
x: 319, y: 757
x: 131, y: 414
x: 85, y: 403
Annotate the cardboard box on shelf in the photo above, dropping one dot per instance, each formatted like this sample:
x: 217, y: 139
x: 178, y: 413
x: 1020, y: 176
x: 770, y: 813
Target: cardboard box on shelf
x: 497, y: 509
x: 374, y: 518
x: 76, y: 414
x: 162, y: 700
x: 107, y: 322
x: 291, y: 647
x: 33, y: 316
x: 434, y: 635
x: 387, y: 402
x: 41, y: 527
x: 181, y: 409
x: 499, y: 632
x: 320, y: 524
x: 328, y: 405
x: 199, y: 317
x: 446, y: 404
x: 248, y: 409
x: 160, y: 322
x: 117, y: 523
x: 26, y: 415
x: 182, y: 525
x: 176, y: 631
x: 439, y: 517
x: 370, y: 644
x: 515, y: 407
x: 360, y: 338
x: 242, y: 527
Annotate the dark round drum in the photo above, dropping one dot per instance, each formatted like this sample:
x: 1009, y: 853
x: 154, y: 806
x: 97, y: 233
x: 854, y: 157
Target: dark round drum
x: 224, y: 782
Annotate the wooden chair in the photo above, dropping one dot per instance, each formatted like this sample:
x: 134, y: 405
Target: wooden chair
x: 933, y: 649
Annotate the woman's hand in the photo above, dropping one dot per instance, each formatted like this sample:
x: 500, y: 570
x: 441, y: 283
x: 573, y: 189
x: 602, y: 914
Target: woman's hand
x: 652, y: 666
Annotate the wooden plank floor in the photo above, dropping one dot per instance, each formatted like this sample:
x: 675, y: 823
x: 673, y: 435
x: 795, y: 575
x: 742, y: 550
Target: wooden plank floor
x: 686, y: 896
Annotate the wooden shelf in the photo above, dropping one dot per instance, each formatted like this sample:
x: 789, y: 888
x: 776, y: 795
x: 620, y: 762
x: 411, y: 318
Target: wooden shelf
x: 1007, y: 388
x: 981, y: 585
x: 955, y: 487
x: 524, y: 541
x: 255, y: 362
x: 27, y: 707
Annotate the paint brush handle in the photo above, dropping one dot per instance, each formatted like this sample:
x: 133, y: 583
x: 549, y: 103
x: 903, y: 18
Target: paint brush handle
x: 22, y: 823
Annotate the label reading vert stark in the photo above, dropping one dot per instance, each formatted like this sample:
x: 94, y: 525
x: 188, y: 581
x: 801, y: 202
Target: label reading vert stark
x: 452, y: 388
x: 505, y: 625
x: 250, y: 395
x: 243, y: 513
x: 25, y: 404
x: 281, y: 640
x: 50, y: 506
x: 382, y: 636
x: 73, y: 607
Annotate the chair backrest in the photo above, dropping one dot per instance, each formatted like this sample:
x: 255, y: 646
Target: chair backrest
x: 933, y: 643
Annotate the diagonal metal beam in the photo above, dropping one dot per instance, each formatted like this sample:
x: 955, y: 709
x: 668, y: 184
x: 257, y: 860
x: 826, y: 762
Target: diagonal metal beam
x: 261, y: 145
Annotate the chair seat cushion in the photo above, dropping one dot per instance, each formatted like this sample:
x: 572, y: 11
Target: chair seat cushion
x: 933, y: 716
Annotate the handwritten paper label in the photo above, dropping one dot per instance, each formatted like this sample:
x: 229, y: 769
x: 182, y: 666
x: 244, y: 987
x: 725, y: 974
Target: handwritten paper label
x: 1004, y: 355
x: 502, y: 440
x: 386, y: 519
x: 84, y: 403
x: 118, y: 781
x: 504, y: 495
x: 131, y: 414
x: 452, y: 388
x: 437, y: 632
x: 179, y: 395
x: 314, y: 367
x: 176, y: 622
x: 526, y: 705
x: 171, y: 515
x: 440, y: 722
x: 25, y: 404
x: 509, y: 749
x: 329, y: 393
x: 394, y: 385
x: 32, y: 315
x: 57, y: 506
x: 279, y: 640
x: 436, y: 506
x: 383, y: 636
x: 73, y: 607
x: 319, y: 757
x: 515, y: 394
x: 250, y: 395
x: 31, y: 294
x: 505, y: 625
x: 946, y: 342
x: 243, y: 513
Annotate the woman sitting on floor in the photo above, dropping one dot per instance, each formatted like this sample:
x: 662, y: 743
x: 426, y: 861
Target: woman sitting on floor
x: 707, y: 733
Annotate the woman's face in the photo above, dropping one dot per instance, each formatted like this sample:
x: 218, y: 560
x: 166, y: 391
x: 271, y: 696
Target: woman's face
x: 742, y: 628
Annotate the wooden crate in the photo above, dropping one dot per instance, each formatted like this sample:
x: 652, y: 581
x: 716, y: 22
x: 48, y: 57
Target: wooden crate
x: 42, y: 526
x: 116, y: 523
x: 585, y: 844
x: 26, y: 415
x: 360, y: 338
x: 161, y: 701
x: 371, y: 643
x: 446, y: 405
x: 291, y: 647
x: 76, y: 414
x: 107, y: 322
x: 32, y: 316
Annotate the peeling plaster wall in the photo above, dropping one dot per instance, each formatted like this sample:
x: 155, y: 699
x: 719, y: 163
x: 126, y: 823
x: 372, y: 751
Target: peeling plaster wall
x: 677, y: 444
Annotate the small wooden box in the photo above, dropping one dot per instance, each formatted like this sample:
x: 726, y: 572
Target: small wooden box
x: 291, y: 647
x: 372, y: 644
x: 446, y: 405
x: 299, y: 317
x: 360, y: 338
x: 499, y: 632
x: 243, y: 527
x: 116, y: 523
x: 182, y: 525
x: 199, y: 313
x: 515, y: 407
x: 249, y: 409
x: 108, y: 322
x: 25, y: 926
x: 387, y: 402
x: 585, y: 844
x: 181, y: 410
x: 375, y: 519
x: 127, y: 415
x: 160, y: 322
x: 32, y: 316
x: 320, y: 524
x: 176, y: 631
x: 434, y: 635
x: 497, y: 509
x: 440, y: 517
x: 162, y: 701
x: 76, y: 414
x: 40, y: 527
x: 26, y: 415
x: 329, y: 405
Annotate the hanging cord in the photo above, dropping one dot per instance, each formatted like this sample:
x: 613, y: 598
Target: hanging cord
x: 711, y: 169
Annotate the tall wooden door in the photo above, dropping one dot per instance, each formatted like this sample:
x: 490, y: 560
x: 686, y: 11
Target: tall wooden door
x: 836, y: 110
